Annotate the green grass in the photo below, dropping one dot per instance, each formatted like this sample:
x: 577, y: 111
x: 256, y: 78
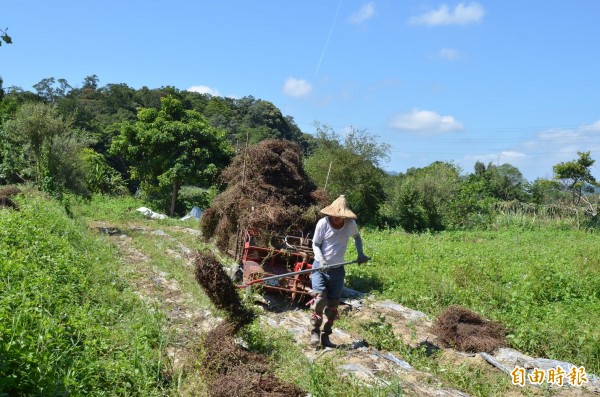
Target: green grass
x: 69, y: 325
x: 542, y: 283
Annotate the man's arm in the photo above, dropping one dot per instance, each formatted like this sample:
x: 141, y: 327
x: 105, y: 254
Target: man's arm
x: 362, y: 258
x: 317, y: 242
x: 318, y: 253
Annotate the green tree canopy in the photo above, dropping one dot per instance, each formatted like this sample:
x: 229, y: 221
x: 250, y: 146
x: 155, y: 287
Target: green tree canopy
x: 421, y: 199
x: 172, y: 147
x: 503, y: 182
x: 39, y: 144
x: 576, y: 176
x: 350, y: 166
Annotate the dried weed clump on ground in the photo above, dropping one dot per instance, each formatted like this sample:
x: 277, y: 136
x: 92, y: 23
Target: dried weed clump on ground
x: 234, y: 371
x: 267, y: 191
x: 462, y: 329
x: 230, y: 369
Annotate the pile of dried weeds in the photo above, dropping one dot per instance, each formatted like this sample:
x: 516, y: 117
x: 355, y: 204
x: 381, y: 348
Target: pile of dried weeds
x: 267, y: 191
x: 234, y: 371
x: 215, y: 282
x: 465, y: 330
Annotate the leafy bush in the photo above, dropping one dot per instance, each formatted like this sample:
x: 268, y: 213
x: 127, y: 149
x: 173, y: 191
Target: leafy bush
x: 350, y: 166
x: 41, y: 145
x: 190, y: 196
x: 420, y: 200
x: 99, y: 176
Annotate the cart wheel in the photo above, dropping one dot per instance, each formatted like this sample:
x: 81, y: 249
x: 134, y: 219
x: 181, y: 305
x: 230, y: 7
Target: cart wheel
x: 251, y: 271
x: 251, y: 289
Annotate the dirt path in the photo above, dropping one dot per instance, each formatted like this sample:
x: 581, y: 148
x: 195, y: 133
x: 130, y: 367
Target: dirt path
x: 187, y: 322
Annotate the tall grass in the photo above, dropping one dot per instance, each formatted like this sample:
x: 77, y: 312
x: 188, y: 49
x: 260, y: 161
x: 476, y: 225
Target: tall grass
x: 68, y: 324
x: 543, y: 283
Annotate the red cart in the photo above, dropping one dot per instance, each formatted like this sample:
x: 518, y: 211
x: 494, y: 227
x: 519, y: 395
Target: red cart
x: 295, y: 254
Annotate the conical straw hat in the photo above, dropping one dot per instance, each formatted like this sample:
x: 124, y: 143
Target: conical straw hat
x: 339, y: 208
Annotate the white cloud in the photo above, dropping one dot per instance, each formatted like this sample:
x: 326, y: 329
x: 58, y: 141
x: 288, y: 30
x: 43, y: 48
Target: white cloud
x: 426, y: 121
x: 449, y: 53
x: 514, y: 158
x: 557, y: 135
x: 367, y: 11
x: 202, y: 89
x: 462, y: 14
x: 591, y: 127
x: 548, y: 148
x: 582, y: 135
x: 509, y: 156
x: 296, y: 87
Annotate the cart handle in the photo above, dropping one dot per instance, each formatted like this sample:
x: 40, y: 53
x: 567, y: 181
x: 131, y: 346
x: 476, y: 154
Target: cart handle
x: 314, y: 269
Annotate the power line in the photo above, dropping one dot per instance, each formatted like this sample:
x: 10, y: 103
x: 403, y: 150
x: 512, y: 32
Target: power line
x: 530, y: 129
x: 463, y: 153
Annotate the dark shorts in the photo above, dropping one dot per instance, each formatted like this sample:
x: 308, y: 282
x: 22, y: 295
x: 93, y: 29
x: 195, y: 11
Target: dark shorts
x: 332, y: 282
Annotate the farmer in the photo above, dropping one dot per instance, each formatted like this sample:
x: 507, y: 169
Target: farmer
x: 329, y: 245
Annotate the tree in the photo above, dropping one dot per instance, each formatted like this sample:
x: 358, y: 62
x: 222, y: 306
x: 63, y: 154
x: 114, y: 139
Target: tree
x: 351, y: 167
x: 47, y: 90
x: 4, y: 37
x: 172, y: 147
x: 576, y: 177
x: 420, y: 200
x: 479, y: 169
x: 40, y: 145
x: 546, y: 191
x: 506, y: 182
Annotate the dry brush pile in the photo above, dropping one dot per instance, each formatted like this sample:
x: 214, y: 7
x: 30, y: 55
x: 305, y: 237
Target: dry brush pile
x: 462, y: 329
x: 267, y: 191
x: 230, y: 369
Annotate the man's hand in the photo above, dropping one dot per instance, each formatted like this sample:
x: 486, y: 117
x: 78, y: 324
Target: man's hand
x: 362, y: 258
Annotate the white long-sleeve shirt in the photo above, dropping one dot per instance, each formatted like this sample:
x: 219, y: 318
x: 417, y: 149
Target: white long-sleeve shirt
x: 330, y: 244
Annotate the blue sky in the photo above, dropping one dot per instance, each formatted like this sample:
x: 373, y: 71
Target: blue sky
x: 497, y: 81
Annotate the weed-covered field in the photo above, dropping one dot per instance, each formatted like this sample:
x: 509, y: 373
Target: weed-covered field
x: 542, y: 283
x: 68, y: 324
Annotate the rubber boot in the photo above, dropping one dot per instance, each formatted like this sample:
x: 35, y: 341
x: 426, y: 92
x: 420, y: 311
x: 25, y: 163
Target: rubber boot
x: 325, y: 342
x: 315, y: 336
